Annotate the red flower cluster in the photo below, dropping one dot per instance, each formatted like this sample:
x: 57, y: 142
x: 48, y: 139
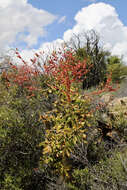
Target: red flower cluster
x: 66, y: 70
x: 22, y: 75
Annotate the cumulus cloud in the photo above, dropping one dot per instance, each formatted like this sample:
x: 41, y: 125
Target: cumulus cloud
x: 52, y: 46
x: 104, y: 19
x: 21, y: 22
x: 44, y: 51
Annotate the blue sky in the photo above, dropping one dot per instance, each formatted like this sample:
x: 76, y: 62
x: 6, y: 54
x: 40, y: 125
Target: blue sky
x: 69, y: 8
x: 37, y: 25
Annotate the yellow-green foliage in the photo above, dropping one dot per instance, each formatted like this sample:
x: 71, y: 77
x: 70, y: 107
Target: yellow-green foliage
x: 11, y: 183
x: 70, y: 122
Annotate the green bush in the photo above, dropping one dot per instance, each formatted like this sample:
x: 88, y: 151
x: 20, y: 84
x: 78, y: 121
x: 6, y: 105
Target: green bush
x: 50, y: 134
x: 21, y: 131
x: 117, y: 68
x: 105, y: 175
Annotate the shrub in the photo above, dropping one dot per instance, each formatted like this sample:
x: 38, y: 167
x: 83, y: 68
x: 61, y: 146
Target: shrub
x: 23, y: 99
x: 118, y: 69
x: 108, y: 174
x: 43, y: 119
x: 67, y: 125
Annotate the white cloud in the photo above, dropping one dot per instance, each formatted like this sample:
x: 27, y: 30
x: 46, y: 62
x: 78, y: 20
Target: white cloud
x: 104, y: 19
x: 28, y: 54
x: 51, y: 46
x: 21, y: 22
x: 62, y: 19
x: 44, y: 51
x: 121, y: 50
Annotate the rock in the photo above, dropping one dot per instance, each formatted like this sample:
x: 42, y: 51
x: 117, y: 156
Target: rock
x: 118, y: 106
x: 119, y: 101
x: 106, y: 98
